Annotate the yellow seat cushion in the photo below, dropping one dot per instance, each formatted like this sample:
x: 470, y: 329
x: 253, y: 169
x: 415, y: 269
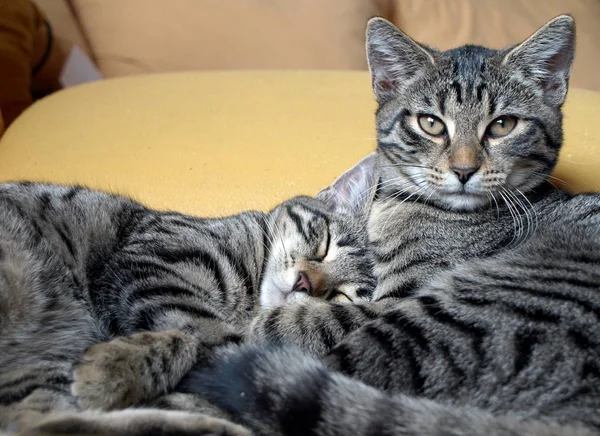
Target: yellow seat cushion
x: 216, y: 143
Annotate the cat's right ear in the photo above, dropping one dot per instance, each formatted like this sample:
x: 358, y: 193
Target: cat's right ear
x: 353, y: 191
x: 394, y: 58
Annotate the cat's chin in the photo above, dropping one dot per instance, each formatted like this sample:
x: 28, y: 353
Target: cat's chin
x: 272, y: 296
x: 462, y: 202
x: 278, y: 298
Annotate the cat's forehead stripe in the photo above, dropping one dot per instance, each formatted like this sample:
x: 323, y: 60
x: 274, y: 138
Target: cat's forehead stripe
x: 464, y: 76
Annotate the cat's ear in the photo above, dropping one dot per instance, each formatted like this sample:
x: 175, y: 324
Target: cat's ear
x: 546, y: 58
x: 394, y: 58
x: 352, y: 191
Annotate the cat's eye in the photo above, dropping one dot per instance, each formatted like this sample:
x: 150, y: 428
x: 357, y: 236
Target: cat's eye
x: 501, y: 126
x: 323, y: 247
x: 339, y: 297
x: 432, y: 125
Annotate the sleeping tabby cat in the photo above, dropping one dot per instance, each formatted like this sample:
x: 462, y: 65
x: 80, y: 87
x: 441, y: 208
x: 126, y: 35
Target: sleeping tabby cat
x: 492, y: 276
x: 79, y: 268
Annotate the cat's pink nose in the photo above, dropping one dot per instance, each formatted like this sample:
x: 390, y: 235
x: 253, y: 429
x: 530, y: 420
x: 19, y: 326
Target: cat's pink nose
x: 464, y: 173
x: 303, y: 284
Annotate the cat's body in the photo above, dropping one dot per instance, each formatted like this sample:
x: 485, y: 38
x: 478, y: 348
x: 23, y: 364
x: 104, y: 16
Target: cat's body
x: 408, y: 257
x: 79, y: 268
x: 508, y: 338
x: 492, y: 275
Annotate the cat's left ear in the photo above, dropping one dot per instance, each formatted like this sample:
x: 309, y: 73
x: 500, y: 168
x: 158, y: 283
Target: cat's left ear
x: 546, y: 57
x: 353, y: 191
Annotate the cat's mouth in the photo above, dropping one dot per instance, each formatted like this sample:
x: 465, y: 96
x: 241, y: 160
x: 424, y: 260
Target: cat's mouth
x: 276, y: 292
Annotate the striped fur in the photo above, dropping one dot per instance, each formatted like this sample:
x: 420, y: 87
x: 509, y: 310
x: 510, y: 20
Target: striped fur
x: 306, y: 398
x: 134, y: 422
x: 486, y: 316
x: 423, y: 220
x: 136, y: 296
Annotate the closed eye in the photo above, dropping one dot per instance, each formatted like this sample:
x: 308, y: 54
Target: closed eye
x: 337, y: 293
x: 323, y: 247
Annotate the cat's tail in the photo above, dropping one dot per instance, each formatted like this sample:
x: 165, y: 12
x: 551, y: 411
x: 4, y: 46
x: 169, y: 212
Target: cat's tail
x: 280, y: 391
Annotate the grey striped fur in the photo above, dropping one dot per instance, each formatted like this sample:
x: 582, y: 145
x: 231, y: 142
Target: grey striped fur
x: 134, y: 296
x: 486, y: 316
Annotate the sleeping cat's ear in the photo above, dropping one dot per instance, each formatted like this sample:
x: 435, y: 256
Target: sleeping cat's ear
x: 546, y: 58
x: 394, y: 58
x: 353, y: 191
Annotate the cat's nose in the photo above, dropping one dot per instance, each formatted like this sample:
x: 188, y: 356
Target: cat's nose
x: 303, y: 284
x: 464, y: 173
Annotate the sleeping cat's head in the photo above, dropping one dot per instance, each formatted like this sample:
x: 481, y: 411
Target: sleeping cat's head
x: 318, y: 246
x: 469, y: 126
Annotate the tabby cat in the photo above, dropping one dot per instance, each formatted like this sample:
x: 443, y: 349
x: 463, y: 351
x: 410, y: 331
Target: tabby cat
x: 79, y: 268
x: 491, y: 276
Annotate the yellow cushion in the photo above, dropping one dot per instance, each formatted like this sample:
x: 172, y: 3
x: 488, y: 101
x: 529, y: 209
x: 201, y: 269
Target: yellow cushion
x: 217, y: 143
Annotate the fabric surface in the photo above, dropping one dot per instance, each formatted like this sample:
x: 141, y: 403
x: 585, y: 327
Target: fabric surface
x: 218, y: 143
x: 65, y: 24
x: 142, y: 36
x: 447, y: 24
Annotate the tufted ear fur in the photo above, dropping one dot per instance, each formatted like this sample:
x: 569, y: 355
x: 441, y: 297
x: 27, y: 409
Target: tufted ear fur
x: 546, y: 58
x: 395, y: 59
x: 352, y: 191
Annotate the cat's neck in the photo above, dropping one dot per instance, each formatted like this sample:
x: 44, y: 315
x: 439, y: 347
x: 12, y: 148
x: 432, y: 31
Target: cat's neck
x: 388, y: 197
x: 391, y: 212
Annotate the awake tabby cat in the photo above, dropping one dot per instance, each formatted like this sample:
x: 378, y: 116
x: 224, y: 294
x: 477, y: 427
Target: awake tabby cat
x: 490, y: 275
x: 79, y: 268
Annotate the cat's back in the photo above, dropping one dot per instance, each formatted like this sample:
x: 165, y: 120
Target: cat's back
x: 37, y: 208
x: 537, y: 303
x: 46, y: 234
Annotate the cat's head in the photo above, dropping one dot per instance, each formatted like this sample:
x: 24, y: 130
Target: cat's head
x: 319, y: 246
x: 469, y: 126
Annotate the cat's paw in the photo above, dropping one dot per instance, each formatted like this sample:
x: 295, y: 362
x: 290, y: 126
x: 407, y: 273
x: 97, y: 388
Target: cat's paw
x: 132, y: 369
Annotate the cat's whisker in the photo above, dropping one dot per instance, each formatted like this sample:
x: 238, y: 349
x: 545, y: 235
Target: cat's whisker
x: 393, y: 182
x: 531, y: 222
x: 268, y: 237
x: 531, y: 208
x: 395, y: 194
x: 398, y: 193
x: 493, y: 197
x: 431, y: 192
x: 551, y: 177
x: 512, y: 214
x: 275, y: 230
x: 518, y: 205
x: 390, y: 182
x: 524, y: 224
x: 405, y: 165
x: 270, y: 234
x: 404, y: 189
x: 397, y: 206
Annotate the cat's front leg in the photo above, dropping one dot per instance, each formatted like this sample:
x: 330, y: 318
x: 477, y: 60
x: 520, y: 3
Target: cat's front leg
x: 133, y: 422
x: 138, y: 368
x: 131, y: 369
x: 315, y: 325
